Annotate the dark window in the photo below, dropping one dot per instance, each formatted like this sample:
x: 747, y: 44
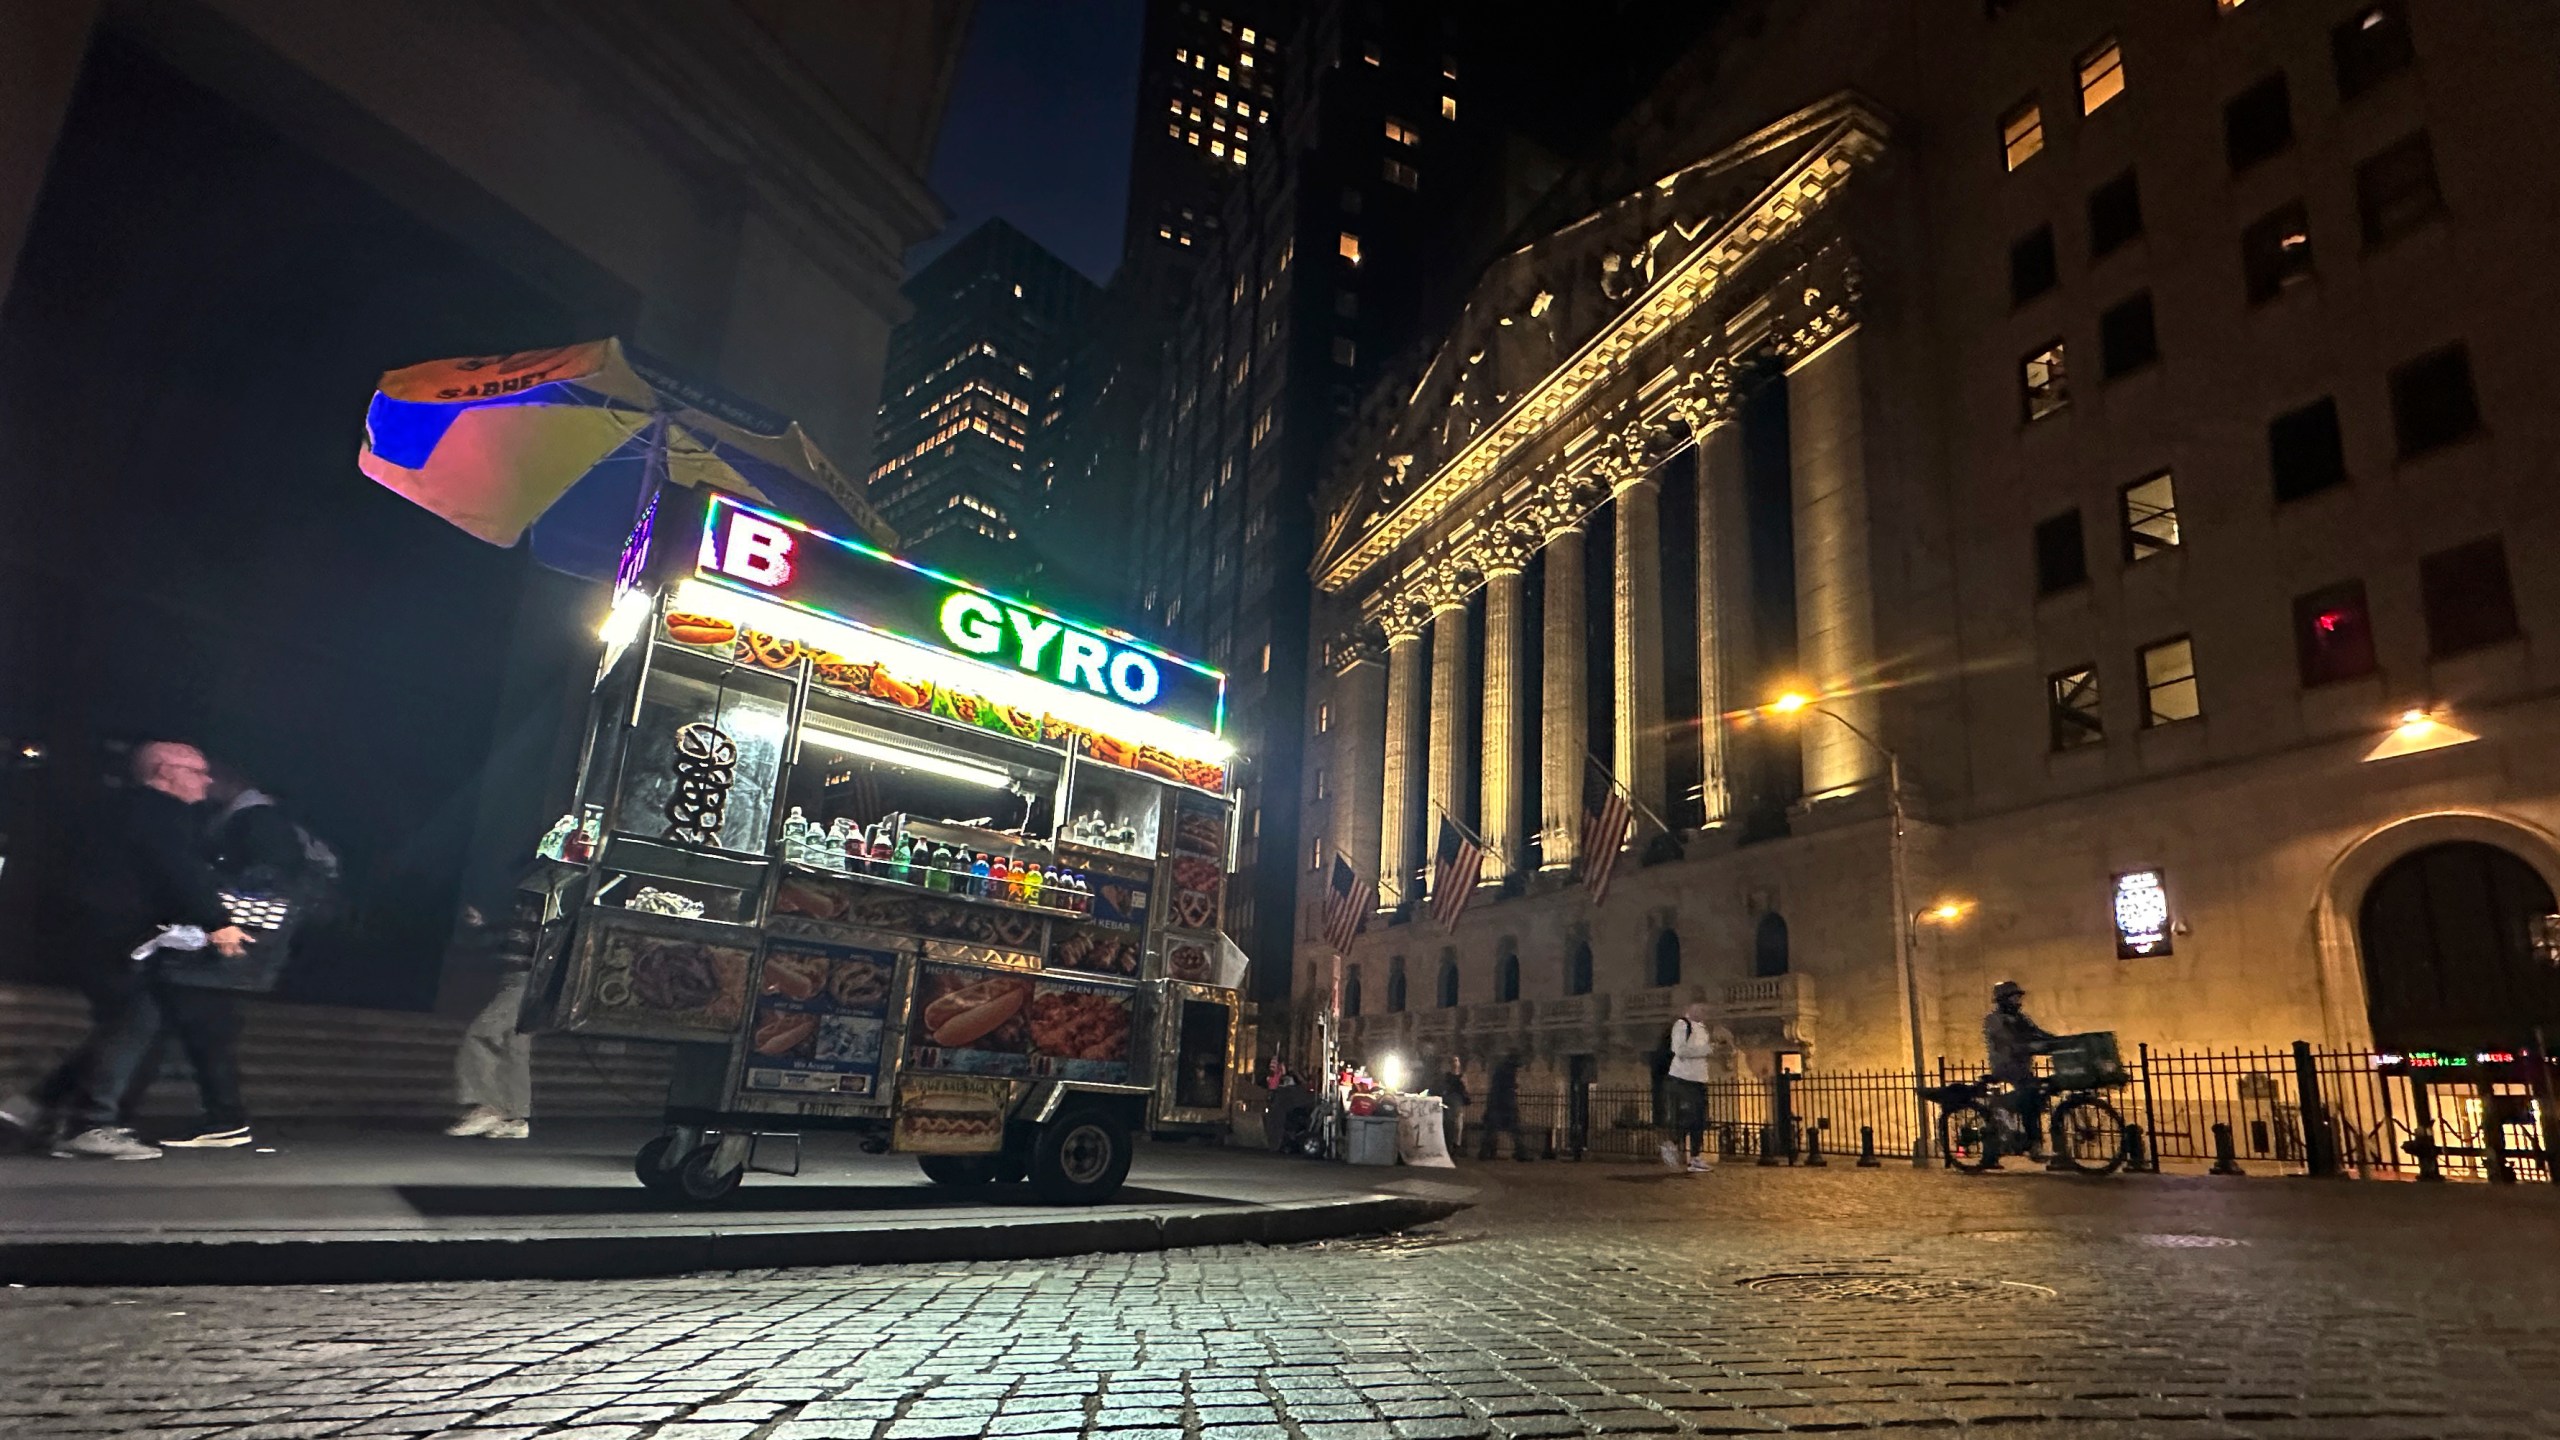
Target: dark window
x: 1666, y: 958
x: 2126, y: 339
x: 1395, y: 985
x: 2468, y: 601
x: 2304, y: 453
x: 1506, y: 979
x: 2071, y: 708
x: 2257, y: 122
x: 1769, y: 947
x: 2061, y: 560
x: 2333, y: 634
x: 2275, y: 251
x: 2369, y: 47
x: 2115, y: 215
x: 2396, y: 190
x: 2032, y: 268
x: 1577, y: 971
x: 1351, y: 991
x: 1448, y: 983
x: 2044, y: 388
x: 2150, y: 517
x: 2432, y: 404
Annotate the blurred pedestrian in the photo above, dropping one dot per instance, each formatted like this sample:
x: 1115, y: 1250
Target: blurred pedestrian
x: 1502, y: 1111
x: 1454, y: 1099
x: 149, y: 873
x: 1692, y: 1046
x: 493, y: 1069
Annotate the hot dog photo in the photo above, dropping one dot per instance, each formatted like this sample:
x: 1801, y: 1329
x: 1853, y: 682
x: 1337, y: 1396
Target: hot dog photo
x: 970, y: 1020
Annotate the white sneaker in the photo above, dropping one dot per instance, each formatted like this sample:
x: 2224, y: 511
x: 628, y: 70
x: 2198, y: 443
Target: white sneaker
x: 105, y: 1142
x: 478, y: 1120
x: 505, y: 1128
x: 1700, y: 1165
x: 1671, y: 1157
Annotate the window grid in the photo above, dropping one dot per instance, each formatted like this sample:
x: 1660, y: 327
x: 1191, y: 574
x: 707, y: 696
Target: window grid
x: 2169, y: 682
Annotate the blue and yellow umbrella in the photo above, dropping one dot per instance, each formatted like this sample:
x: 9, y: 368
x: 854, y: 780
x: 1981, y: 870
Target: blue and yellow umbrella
x: 568, y: 442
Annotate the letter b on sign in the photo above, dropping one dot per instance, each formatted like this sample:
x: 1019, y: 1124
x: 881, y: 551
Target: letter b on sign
x: 758, y: 552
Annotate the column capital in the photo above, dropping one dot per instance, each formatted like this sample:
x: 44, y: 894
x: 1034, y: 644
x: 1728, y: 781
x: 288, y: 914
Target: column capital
x: 1344, y: 653
x: 1399, y: 613
x: 1442, y: 586
x: 1504, y: 550
x: 1560, y: 505
x: 1705, y: 397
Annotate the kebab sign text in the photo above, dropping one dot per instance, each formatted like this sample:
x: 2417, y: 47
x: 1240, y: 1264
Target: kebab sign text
x: 845, y: 580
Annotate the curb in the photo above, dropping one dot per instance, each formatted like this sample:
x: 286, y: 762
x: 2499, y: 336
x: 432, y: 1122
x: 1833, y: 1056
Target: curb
x: 362, y: 1258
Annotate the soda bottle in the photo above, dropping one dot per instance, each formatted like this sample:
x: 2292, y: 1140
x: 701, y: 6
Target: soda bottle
x: 939, y: 877
x: 883, y: 852
x: 918, y: 866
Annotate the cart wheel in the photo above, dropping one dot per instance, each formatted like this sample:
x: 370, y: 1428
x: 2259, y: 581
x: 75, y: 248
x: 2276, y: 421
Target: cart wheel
x: 1969, y: 1136
x: 962, y: 1172
x: 653, y: 1167
x: 2088, y: 1135
x: 696, y: 1180
x: 1080, y: 1158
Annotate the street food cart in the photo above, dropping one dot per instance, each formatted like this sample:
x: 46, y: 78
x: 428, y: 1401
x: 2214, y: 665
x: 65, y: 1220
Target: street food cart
x: 881, y: 851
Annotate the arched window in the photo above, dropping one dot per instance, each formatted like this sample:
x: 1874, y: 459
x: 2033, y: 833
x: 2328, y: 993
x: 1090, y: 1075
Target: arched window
x: 1769, y: 946
x: 1506, y: 978
x: 1448, y: 979
x: 1666, y: 958
x: 1351, y: 991
x: 1395, y: 984
x: 1577, y: 971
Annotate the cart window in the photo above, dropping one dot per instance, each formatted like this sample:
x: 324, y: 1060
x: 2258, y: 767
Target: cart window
x: 1113, y: 810
x: 1200, y: 1060
x: 694, y: 715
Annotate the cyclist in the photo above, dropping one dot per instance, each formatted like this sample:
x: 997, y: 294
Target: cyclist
x: 2012, y: 1041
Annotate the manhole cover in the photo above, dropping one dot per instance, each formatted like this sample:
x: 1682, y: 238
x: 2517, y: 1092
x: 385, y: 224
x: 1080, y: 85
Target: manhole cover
x: 1887, y: 1288
x: 2183, y: 1242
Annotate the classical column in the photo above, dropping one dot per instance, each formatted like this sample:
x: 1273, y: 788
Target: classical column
x: 1564, y: 702
x: 1723, y: 606
x: 42, y: 43
x: 1449, y: 701
x: 1498, y: 796
x: 1352, y: 776
x: 1835, y: 589
x: 1639, y: 635
x: 1398, y: 772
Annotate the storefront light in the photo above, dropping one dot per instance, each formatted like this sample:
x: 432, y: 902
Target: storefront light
x: 2418, y: 731
x: 899, y: 755
x: 1004, y: 685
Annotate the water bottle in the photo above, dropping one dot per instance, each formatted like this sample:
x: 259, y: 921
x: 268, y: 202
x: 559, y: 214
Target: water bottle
x: 795, y: 837
x: 844, y: 847
x: 555, y: 841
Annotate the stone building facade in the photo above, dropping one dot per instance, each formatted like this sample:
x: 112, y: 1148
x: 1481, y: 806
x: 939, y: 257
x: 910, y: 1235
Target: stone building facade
x: 2123, y: 423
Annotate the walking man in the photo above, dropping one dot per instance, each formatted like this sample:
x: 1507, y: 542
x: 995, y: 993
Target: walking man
x: 1454, y: 1099
x: 1691, y: 1046
x: 1502, y: 1110
x: 493, y: 1071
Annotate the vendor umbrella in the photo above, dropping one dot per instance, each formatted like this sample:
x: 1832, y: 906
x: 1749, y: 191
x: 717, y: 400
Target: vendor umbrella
x: 569, y: 442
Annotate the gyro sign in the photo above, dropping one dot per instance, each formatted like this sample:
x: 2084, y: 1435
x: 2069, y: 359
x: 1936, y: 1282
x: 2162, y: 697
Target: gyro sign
x: 847, y: 580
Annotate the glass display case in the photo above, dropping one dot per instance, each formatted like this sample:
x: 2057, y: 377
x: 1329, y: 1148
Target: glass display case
x: 1112, y: 811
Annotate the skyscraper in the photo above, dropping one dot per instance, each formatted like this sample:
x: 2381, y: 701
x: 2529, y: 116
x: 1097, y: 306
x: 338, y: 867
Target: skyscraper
x: 975, y: 399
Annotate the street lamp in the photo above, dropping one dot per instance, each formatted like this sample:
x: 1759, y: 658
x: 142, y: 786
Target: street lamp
x: 1904, y: 928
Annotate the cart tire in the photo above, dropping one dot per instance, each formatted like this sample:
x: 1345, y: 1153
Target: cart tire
x: 697, y: 1182
x: 1969, y: 1136
x: 962, y: 1172
x: 651, y: 1165
x: 2088, y: 1136
x: 1081, y: 1158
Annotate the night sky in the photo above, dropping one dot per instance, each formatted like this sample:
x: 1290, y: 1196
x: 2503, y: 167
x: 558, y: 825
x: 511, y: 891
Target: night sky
x: 1039, y: 126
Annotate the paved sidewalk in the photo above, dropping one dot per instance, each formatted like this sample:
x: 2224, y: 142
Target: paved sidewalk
x: 319, y: 1201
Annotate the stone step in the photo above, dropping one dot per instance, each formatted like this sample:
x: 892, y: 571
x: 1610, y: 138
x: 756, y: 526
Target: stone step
x: 318, y: 1060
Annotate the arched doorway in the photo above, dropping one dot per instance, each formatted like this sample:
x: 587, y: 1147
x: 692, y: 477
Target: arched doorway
x: 2446, y: 941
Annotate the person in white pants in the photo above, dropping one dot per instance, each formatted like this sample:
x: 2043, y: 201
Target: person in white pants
x: 1692, y: 1043
x: 493, y: 1069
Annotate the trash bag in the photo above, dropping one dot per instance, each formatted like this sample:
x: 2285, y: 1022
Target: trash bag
x: 1419, y: 1140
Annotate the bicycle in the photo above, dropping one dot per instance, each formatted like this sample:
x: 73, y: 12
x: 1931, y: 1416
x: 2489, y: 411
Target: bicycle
x: 1978, y: 1120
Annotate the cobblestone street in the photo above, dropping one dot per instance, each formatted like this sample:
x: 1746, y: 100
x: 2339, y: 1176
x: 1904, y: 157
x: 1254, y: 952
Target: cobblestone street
x: 1574, y: 1300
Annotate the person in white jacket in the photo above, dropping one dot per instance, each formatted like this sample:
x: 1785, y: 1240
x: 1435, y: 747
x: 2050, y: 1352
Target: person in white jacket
x: 1692, y: 1043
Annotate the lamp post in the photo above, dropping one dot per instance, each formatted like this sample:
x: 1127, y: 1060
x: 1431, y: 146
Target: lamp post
x: 1904, y: 931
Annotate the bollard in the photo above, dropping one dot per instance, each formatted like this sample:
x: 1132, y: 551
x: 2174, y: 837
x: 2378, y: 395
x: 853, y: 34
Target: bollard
x: 1867, y: 1147
x: 1768, y: 1145
x: 2224, y: 1161
x: 1813, y: 1146
x: 2133, y: 1152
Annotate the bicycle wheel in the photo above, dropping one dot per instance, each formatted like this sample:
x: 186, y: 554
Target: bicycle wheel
x: 1969, y: 1136
x: 2088, y: 1135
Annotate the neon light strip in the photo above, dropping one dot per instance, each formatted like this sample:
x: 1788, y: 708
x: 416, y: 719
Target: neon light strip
x: 860, y: 643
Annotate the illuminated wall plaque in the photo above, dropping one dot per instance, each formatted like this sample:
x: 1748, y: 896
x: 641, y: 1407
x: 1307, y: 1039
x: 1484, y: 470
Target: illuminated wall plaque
x: 846, y: 580
x: 2142, y: 915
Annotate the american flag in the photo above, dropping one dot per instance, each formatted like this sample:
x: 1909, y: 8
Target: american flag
x: 1454, y: 873
x: 1603, y: 831
x: 1348, y: 901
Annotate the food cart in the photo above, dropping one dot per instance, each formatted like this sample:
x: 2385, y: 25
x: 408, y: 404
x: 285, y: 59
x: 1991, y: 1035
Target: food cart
x: 879, y: 850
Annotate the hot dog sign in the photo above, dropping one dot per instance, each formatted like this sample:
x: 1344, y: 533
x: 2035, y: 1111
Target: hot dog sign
x: 765, y: 554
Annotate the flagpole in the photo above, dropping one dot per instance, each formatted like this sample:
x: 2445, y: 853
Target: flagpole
x: 1641, y: 808
x: 1470, y: 836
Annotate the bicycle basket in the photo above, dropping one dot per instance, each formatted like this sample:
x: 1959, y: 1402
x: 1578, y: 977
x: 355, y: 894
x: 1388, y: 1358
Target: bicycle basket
x: 2087, y: 1061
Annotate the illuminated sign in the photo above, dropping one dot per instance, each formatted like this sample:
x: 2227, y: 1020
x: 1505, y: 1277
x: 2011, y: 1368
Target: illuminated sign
x: 849, y: 581
x: 2142, y: 915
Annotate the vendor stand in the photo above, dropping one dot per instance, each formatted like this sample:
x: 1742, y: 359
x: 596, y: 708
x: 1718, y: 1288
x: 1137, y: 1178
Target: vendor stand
x: 881, y: 851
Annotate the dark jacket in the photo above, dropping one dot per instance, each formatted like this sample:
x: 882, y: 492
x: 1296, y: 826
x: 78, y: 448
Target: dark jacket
x: 258, y: 836
x: 1452, y: 1090
x: 149, y: 868
x: 1502, y: 1097
x: 2012, y: 1041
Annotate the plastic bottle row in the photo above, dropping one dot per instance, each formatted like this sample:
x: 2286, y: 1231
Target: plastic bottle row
x: 854, y: 850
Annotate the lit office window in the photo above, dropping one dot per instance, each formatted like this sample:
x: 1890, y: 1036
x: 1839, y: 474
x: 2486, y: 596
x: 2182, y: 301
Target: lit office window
x: 2022, y: 134
x: 2101, y: 76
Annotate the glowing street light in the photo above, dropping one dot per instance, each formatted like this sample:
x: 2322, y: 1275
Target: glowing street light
x: 1945, y: 912
x: 2418, y: 731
